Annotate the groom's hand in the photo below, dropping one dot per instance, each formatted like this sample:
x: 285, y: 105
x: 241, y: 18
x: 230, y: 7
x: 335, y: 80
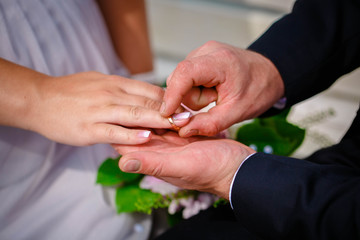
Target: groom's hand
x: 243, y: 83
x: 199, y: 163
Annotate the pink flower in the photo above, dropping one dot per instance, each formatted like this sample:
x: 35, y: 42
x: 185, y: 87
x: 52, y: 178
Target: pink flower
x: 192, y: 206
x: 174, y: 206
x: 158, y: 186
x: 189, y: 204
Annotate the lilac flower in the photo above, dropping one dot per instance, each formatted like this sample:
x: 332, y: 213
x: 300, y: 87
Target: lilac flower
x: 206, y: 200
x: 192, y: 206
x: 174, y: 206
x: 158, y: 186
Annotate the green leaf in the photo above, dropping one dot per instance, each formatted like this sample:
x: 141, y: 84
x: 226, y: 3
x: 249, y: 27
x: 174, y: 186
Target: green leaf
x: 109, y: 173
x: 131, y: 198
x: 283, y: 114
x: 275, y: 132
x: 220, y: 202
x: 164, y: 85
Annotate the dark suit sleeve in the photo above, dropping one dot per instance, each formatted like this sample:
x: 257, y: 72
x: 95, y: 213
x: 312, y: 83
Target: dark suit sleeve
x: 317, y: 198
x: 284, y: 198
x: 313, y: 46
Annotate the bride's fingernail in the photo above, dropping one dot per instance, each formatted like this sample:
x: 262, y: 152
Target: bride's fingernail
x: 132, y: 165
x: 144, y: 134
x: 181, y: 116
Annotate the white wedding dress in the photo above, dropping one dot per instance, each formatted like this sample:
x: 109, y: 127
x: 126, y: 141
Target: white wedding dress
x: 48, y: 190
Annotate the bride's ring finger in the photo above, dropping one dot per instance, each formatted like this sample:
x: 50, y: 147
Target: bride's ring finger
x: 174, y: 126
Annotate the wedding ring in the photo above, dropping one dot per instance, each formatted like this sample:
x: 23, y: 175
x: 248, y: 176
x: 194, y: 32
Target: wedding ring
x: 174, y: 126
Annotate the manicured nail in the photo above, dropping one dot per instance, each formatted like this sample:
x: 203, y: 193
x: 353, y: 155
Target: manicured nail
x: 162, y: 108
x: 181, y: 116
x: 131, y: 165
x: 144, y: 134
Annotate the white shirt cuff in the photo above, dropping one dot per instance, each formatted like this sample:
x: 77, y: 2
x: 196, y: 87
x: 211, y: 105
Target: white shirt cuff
x: 232, y: 182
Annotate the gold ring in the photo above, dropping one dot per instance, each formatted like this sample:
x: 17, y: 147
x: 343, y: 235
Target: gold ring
x: 174, y: 126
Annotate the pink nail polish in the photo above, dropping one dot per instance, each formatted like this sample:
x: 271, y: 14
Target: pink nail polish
x: 181, y: 116
x: 144, y: 134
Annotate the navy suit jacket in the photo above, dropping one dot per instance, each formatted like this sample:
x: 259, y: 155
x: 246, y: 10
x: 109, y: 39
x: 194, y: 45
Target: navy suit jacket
x: 285, y: 198
x: 317, y: 198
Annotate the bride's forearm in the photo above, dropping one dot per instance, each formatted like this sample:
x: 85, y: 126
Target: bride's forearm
x: 80, y: 109
x: 18, y: 94
x: 127, y: 25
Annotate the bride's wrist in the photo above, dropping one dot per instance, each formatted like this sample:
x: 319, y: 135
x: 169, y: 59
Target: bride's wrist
x: 30, y: 110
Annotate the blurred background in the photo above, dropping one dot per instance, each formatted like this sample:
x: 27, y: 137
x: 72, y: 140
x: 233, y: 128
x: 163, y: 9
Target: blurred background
x: 179, y: 26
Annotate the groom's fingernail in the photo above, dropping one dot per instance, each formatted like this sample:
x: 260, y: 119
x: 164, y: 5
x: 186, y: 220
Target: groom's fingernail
x: 162, y: 108
x: 131, y: 165
x: 191, y: 132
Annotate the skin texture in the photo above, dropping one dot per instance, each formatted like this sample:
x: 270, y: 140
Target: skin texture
x: 127, y: 25
x: 243, y: 83
x: 201, y: 163
x: 80, y: 109
x: 89, y: 107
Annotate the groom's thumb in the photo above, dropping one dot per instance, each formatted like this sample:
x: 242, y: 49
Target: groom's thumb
x: 130, y: 165
x: 149, y: 163
x: 153, y: 163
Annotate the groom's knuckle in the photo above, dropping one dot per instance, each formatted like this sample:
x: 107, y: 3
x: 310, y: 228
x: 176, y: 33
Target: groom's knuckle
x: 210, y: 44
x: 185, y: 66
x: 212, y: 128
x: 156, y: 170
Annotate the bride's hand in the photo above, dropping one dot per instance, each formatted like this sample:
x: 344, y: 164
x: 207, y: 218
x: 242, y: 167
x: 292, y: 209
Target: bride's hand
x: 90, y: 107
